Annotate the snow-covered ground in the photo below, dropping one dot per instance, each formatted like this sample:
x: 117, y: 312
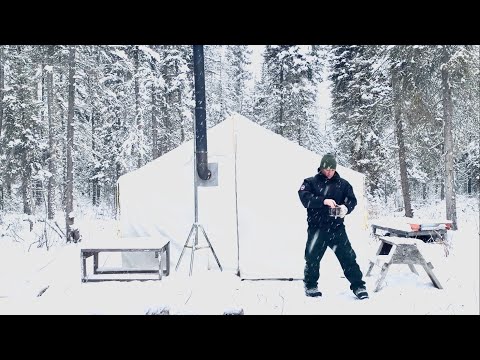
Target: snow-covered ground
x: 36, y: 281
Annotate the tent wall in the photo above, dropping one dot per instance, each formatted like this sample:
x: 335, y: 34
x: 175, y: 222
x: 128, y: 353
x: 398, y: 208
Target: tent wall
x: 158, y: 200
x: 272, y: 220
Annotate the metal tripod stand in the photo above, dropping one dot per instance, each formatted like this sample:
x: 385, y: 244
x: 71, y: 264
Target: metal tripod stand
x: 194, y: 230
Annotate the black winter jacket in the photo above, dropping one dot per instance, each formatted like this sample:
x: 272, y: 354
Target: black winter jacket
x: 316, y: 189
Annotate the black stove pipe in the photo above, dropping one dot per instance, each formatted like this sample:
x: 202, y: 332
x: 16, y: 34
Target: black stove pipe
x: 200, y: 114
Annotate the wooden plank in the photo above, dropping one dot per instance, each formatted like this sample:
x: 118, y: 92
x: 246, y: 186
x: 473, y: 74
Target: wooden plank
x: 107, y: 270
x: 126, y: 243
x: 390, y: 229
x: 120, y: 249
x: 119, y: 279
x: 407, y: 254
x: 434, y: 233
x: 396, y: 240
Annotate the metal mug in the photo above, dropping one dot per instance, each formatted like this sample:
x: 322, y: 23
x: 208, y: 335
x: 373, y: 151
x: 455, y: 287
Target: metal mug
x: 334, y: 212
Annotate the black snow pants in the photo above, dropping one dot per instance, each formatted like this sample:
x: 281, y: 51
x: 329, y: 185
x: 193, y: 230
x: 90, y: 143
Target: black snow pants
x: 337, y: 240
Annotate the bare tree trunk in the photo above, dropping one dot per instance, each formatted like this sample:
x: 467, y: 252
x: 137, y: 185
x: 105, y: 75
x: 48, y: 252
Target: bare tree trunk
x: 95, y: 170
x: 179, y: 108
x: 71, y: 233
x: 61, y: 125
x: 51, y: 135
x: 223, y: 105
x: 2, y: 85
x: 397, y: 103
x: 26, y: 185
x: 96, y: 119
x: 138, y: 119
x: 182, y: 133
x: 180, y: 116
x: 24, y: 97
x: 38, y: 184
x: 357, y: 153
x: 167, y: 129
x: 118, y: 166
x: 98, y: 188
x: 451, y: 208
x: 154, y: 124
x: 280, y: 118
x: 182, y: 124
x: 299, y: 131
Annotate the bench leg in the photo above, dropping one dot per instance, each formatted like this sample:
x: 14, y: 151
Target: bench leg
x: 383, y: 249
x: 413, y: 269
x: 432, y: 276
x: 165, y: 254
x: 383, y: 273
x: 167, y: 259
x: 95, y: 262
x: 370, y: 268
x: 83, y: 264
x: 160, y: 267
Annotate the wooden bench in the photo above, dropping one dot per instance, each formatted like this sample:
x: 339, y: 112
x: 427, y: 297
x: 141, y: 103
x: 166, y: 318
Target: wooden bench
x: 397, y: 250
x: 160, y: 247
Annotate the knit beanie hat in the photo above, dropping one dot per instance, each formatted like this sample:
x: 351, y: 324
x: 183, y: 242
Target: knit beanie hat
x: 328, y: 162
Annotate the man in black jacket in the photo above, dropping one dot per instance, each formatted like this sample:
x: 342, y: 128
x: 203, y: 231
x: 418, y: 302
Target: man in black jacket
x: 321, y: 195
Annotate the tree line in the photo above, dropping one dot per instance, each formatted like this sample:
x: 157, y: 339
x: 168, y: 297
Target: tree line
x: 73, y: 119
x: 408, y: 118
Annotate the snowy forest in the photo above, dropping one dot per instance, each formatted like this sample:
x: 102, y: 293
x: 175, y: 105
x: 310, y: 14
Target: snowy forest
x: 73, y: 119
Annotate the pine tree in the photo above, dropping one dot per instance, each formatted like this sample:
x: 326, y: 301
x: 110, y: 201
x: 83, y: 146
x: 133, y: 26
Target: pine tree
x: 215, y: 84
x: 238, y: 97
x: 286, y: 95
x: 21, y: 124
x: 360, y: 103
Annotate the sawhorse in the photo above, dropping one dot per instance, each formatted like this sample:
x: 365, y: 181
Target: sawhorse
x: 396, y: 250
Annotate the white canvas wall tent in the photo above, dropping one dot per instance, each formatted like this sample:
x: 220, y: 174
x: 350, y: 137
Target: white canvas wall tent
x: 253, y: 217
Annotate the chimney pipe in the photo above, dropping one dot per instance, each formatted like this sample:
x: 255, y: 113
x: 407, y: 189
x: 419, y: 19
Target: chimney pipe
x: 200, y: 114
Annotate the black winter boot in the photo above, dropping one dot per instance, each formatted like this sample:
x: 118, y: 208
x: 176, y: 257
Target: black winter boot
x: 312, y: 292
x: 361, y: 293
